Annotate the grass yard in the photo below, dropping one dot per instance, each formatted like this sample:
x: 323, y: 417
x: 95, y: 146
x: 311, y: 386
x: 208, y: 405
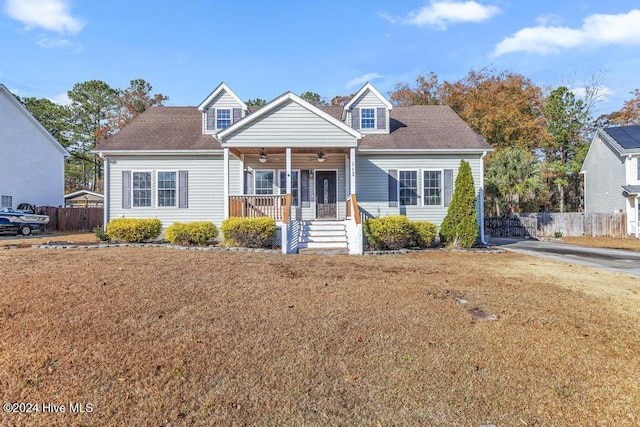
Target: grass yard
x: 152, y: 336
x: 604, y: 242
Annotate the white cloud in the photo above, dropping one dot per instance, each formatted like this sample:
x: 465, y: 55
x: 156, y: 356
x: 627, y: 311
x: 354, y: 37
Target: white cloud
x: 51, y: 15
x: 598, y: 29
x: 602, y: 93
x: 441, y: 13
x: 359, y: 81
x: 50, y: 43
x: 550, y: 19
x: 61, y: 98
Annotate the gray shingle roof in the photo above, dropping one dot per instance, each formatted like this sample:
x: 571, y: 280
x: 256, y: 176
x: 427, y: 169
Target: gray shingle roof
x: 163, y: 128
x: 427, y: 127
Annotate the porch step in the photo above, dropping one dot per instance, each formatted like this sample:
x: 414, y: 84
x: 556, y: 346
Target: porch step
x: 323, y: 235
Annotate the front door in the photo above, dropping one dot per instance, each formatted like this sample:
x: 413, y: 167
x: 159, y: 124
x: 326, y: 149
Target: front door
x: 326, y: 206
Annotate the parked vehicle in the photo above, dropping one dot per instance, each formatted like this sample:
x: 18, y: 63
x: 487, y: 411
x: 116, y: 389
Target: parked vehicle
x: 22, y: 220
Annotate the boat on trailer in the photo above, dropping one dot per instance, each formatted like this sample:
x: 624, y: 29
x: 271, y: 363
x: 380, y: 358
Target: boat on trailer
x: 22, y: 220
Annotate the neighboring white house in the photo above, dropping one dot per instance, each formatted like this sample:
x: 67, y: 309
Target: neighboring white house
x: 611, y: 173
x: 31, y: 160
x: 224, y: 159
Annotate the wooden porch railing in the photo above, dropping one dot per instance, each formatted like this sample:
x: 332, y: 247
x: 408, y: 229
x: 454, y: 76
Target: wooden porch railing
x: 352, y: 208
x: 258, y: 206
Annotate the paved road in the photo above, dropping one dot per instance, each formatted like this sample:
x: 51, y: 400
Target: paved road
x: 616, y: 260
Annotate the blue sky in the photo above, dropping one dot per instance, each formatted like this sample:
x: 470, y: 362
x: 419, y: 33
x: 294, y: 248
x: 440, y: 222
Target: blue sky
x: 264, y: 48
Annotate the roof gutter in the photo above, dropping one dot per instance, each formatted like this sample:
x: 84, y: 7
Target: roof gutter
x: 103, y: 153
x: 482, y: 151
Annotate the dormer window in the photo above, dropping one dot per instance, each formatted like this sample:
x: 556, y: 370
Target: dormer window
x: 223, y: 118
x: 368, y: 118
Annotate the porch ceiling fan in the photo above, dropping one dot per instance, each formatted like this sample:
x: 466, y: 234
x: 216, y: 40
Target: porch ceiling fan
x: 264, y: 158
x: 320, y: 157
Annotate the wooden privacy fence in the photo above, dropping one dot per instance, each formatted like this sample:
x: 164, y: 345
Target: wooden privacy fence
x: 548, y: 224
x: 74, y: 219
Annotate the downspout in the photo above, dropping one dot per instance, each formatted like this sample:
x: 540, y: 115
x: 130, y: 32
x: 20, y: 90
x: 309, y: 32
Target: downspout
x: 637, y: 220
x: 483, y: 240
x: 107, y: 203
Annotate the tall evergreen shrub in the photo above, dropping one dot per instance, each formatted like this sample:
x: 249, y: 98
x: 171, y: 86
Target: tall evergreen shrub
x: 460, y: 227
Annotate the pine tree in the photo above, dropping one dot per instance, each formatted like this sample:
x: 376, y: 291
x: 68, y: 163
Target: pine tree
x: 460, y: 227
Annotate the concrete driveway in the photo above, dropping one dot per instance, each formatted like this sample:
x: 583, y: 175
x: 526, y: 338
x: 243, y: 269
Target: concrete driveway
x: 616, y: 260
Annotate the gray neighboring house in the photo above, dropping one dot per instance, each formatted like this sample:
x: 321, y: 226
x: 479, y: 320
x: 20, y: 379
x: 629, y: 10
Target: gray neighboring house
x: 611, y: 173
x: 31, y: 160
x: 316, y: 170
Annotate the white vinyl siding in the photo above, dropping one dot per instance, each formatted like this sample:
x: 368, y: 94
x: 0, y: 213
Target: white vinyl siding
x: 205, y: 187
x: 31, y: 164
x: 372, y: 182
x: 290, y: 125
x: 605, y: 174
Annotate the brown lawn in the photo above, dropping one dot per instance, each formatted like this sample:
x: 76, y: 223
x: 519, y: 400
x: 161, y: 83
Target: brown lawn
x: 604, y: 242
x: 40, y: 239
x: 153, y: 336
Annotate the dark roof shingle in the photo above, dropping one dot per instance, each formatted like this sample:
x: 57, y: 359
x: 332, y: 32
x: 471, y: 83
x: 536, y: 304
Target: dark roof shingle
x: 163, y: 128
x: 427, y: 127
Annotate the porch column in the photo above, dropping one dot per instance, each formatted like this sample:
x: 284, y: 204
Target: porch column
x: 288, y: 160
x: 352, y: 169
x: 225, y: 182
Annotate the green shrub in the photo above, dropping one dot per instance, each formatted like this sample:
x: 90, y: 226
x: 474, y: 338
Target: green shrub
x: 459, y: 227
x: 193, y: 233
x: 395, y: 232
x: 425, y: 233
x: 101, y: 234
x: 249, y: 232
x: 133, y: 230
x: 389, y: 232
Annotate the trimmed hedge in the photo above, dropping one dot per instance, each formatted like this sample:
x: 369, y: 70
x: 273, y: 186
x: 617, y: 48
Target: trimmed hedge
x: 191, y: 233
x: 397, y: 231
x: 249, y: 232
x: 133, y: 230
x: 425, y: 233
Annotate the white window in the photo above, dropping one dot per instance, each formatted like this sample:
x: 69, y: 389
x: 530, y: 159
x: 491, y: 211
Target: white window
x: 432, y: 194
x: 367, y: 118
x: 166, y: 188
x: 264, y: 182
x: 141, y: 189
x: 223, y: 118
x: 408, y: 181
x: 295, y: 187
x: 7, y: 202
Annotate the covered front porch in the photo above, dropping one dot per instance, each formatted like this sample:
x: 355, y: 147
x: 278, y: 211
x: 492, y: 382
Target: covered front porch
x: 293, y: 185
x: 293, y: 149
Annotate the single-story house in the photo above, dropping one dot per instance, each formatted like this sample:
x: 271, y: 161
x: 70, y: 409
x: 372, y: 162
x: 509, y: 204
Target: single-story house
x: 84, y: 199
x: 611, y: 172
x: 298, y: 163
x: 32, y: 161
